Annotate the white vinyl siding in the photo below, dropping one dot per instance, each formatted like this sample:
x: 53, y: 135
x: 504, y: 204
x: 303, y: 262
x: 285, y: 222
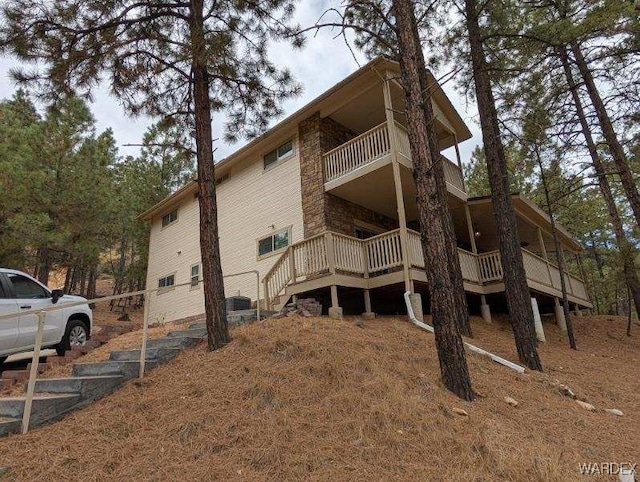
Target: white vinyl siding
x: 251, y: 203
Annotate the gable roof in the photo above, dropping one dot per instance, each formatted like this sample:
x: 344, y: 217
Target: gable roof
x: 324, y: 103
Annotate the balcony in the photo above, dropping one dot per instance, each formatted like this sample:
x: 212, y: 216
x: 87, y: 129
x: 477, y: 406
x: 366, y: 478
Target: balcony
x: 371, y: 151
x: 378, y: 261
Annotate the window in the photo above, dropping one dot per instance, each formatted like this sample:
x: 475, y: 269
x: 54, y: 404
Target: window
x: 282, y: 152
x: 364, y: 233
x: 3, y: 295
x: 363, y: 230
x: 26, y: 288
x: 169, y: 218
x: 195, y: 276
x: 167, y: 281
x: 274, y: 242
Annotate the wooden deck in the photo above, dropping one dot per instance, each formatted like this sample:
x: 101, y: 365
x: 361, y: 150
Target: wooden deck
x: 335, y: 259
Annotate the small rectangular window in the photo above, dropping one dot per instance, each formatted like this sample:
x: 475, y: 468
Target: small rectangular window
x: 167, y: 281
x: 274, y: 242
x: 169, y: 218
x: 195, y: 276
x: 281, y: 152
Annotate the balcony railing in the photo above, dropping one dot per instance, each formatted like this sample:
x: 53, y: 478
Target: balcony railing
x: 373, y: 145
x: 336, y: 253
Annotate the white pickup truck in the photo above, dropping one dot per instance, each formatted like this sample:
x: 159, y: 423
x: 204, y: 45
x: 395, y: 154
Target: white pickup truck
x: 63, y: 328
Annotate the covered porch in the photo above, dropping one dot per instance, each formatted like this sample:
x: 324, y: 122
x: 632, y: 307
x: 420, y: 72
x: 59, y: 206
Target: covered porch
x: 332, y: 259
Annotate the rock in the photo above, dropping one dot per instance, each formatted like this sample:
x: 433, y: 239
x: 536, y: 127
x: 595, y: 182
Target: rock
x: 586, y: 406
x: 614, y: 411
x: 511, y: 401
x: 459, y: 411
x: 360, y: 324
x: 566, y: 391
x: 306, y: 307
x: 4, y: 471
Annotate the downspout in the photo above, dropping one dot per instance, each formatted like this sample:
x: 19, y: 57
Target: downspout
x: 471, y: 347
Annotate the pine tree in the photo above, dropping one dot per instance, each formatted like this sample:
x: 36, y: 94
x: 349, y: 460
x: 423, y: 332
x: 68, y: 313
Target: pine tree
x: 431, y: 200
x: 515, y: 280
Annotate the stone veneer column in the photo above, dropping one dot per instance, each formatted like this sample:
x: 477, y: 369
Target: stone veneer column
x: 313, y: 198
x: 317, y: 136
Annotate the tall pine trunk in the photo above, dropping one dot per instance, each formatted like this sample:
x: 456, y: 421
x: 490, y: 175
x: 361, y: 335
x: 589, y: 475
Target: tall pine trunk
x: 624, y: 246
x: 615, y: 148
x: 453, y: 260
x: 559, y: 255
x: 43, y: 265
x: 432, y: 205
x: 214, y: 299
x: 515, y: 281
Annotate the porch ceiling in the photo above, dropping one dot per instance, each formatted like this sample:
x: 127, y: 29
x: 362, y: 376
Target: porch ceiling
x: 375, y: 190
x: 529, y: 219
x: 366, y: 110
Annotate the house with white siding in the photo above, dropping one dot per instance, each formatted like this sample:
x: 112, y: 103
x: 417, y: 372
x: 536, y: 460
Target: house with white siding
x: 323, y: 205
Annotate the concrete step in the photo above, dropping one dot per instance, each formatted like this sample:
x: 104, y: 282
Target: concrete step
x: 178, y: 342
x: 198, y: 326
x: 128, y: 369
x: 162, y: 355
x: 90, y: 388
x: 45, y: 407
x: 195, y: 333
x: 9, y: 425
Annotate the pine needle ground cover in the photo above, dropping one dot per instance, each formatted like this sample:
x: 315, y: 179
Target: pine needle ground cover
x: 319, y: 399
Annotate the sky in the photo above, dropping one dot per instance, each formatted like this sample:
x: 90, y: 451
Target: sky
x: 322, y: 63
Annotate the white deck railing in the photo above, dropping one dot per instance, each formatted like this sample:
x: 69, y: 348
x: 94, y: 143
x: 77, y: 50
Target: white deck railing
x: 336, y: 253
x: 375, y: 144
x: 357, y: 152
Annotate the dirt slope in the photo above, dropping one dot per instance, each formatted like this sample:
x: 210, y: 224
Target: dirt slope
x: 317, y: 399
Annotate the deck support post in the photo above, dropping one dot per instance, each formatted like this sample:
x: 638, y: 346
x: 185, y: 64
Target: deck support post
x: 485, y: 310
x: 472, y: 235
x: 578, y: 310
x: 559, y: 312
x: 368, y: 313
x: 402, y: 218
x: 416, y: 304
x: 459, y: 160
x: 537, y: 321
x: 335, y: 311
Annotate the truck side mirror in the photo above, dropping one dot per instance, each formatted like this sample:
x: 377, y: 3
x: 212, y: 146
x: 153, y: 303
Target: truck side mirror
x: 56, y: 295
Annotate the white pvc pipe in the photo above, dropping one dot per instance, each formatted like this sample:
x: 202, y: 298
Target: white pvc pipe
x: 537, y: 321
x: 471, y: 347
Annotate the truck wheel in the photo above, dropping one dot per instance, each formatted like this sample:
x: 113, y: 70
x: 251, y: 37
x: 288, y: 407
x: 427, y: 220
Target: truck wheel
x: 76, y: 334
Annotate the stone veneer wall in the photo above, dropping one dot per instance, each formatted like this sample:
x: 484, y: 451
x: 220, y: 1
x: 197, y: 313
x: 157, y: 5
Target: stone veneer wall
x: 323, y: 211
x: 341, y: 215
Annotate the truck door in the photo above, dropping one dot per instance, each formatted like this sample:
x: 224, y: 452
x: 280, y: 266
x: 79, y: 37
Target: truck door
x: 31, y: 295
